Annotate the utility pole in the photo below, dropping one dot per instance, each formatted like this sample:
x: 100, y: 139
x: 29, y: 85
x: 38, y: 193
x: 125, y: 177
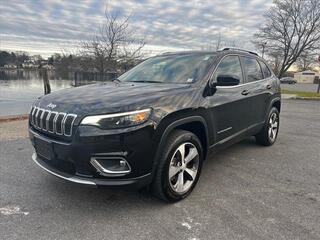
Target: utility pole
x: 263, y: 47
x: 318, y: 90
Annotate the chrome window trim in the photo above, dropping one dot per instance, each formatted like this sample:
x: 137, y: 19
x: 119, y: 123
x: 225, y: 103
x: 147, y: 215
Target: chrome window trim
x: 242, y: 69
x: 244, y: 84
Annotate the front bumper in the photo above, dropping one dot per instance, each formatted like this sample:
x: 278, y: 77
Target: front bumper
x: 133, y: 182
x: 71, y: 160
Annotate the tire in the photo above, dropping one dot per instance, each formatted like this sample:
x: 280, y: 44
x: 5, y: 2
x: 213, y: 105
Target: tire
x: 170, y: 163
x: 268, y: 134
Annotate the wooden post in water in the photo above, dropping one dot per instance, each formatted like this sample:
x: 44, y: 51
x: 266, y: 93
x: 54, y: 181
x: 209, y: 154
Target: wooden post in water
x: 46, y: 83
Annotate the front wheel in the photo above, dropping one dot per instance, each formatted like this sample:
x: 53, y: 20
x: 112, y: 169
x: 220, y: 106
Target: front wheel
x: 268, y: 135
x: 179, y: 167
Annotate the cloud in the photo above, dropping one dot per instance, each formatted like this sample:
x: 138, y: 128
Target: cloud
x: 47, y: 26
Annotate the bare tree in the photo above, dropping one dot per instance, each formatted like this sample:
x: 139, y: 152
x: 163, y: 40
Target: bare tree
x: 114, y: 42
x: 292, y: 27
x: 306, y: 61
x: 214, y: 45
x: 275, y: 61
x: 218, y: 42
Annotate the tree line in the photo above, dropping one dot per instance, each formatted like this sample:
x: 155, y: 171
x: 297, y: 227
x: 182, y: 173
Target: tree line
x: 289, y: 36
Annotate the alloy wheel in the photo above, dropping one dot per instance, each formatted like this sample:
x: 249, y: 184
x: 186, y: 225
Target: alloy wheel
x: 183, y: 168
x: 273, y: 126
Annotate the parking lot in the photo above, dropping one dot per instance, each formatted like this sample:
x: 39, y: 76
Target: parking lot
x: 245, y: 192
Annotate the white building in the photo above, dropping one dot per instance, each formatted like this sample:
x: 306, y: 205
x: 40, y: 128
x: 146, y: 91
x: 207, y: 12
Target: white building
x: 307, y: 76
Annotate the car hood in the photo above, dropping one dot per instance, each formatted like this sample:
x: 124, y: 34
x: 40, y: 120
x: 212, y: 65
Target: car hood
x: 109, y: 97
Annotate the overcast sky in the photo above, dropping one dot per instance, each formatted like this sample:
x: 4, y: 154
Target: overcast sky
x: 48, y: 26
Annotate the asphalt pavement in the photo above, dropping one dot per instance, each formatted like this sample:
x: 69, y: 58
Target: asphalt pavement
x: 245, y: 192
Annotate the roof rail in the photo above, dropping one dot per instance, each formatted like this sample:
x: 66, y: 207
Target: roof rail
x: 165, y: 53
x: 239, y: 49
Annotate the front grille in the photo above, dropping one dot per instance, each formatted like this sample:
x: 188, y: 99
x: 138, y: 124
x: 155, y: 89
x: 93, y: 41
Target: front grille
x: 59, y: 123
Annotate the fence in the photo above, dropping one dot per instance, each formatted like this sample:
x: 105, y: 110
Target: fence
x: 83, y: 78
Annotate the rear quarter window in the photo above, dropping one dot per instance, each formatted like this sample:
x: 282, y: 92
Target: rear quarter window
x: 265, y: 70
x: 252, y: 69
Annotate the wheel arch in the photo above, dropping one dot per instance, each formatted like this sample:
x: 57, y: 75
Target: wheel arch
x: 194, y: 124
x: 276, y: 103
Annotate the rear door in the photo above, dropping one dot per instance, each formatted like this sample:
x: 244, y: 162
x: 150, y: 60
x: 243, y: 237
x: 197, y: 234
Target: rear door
x: 258, y: 81
x: 228, y: 104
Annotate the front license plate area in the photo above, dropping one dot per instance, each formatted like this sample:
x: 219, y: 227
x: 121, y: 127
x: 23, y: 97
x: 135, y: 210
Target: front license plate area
x: 43, y: 148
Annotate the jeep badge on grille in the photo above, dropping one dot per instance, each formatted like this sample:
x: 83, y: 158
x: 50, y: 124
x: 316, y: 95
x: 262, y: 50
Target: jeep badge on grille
x: 51, y: 105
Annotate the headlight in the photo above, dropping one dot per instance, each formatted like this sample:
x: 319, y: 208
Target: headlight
x: 118, y: 120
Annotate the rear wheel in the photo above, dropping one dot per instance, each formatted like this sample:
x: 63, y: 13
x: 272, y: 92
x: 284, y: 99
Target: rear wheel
x: 268, y: 135
x: 179, y: 167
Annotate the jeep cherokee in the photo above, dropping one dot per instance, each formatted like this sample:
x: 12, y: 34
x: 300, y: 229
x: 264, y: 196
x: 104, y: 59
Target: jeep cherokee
x: 155, y: 125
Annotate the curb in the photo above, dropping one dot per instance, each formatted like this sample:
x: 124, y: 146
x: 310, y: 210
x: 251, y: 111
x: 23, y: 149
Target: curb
x: 295, y: 97
x: 14, y: 118
x: 307, y: 98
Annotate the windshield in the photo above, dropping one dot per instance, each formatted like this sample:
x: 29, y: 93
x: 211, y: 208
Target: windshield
x: 187, y: 68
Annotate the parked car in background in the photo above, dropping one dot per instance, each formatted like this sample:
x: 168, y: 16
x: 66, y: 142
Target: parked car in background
x: 156, y: 124
x: 288, y: 80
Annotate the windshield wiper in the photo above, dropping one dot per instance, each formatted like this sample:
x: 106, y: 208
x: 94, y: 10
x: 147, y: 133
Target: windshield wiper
x: 147, y: 81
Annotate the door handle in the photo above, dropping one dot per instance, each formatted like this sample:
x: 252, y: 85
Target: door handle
x: 269, y: 86
x: 245, y: 92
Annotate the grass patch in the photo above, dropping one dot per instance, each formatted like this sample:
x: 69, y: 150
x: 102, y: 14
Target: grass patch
x: 301, y: 94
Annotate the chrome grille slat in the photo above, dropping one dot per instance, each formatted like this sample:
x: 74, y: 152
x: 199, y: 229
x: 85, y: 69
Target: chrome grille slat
x: 55, y: 122
x: 63, y: 123
x: 36, y: 118
x: 73, y: 117
x: 47, y: 120
x: 32, y: 114
x: 41, y: 117
x: 53, y: 116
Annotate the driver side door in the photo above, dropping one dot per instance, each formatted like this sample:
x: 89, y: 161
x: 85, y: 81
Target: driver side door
x: 229, y: 107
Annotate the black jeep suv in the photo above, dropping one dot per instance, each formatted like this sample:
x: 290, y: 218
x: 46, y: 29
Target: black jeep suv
x: 155, y: 125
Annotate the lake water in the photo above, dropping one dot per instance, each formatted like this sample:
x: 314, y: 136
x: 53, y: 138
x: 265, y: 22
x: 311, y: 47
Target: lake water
x: 16, y: 96
x: 19, y: 89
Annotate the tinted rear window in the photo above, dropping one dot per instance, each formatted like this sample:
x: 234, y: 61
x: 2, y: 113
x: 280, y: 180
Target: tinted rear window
x: 252, y: 69
x: 265, y: 70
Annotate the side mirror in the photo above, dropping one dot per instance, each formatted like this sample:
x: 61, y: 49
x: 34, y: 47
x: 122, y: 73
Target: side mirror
x: 226, y: 80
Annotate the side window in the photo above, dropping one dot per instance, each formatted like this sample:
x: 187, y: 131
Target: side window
x: 252, y: 69
x: 229, y: 71
x: 265, y: 70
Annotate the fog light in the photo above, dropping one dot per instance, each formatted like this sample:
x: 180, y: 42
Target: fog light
x: 110, y: 166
